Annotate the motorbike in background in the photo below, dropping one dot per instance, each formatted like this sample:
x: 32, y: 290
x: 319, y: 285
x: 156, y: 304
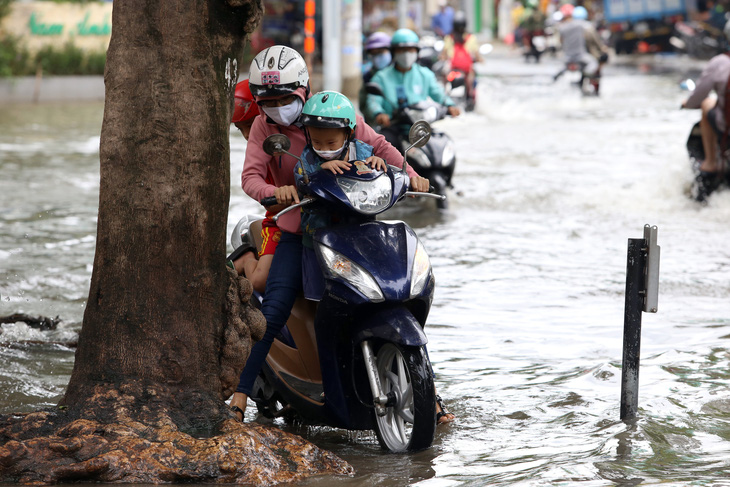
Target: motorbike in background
x: 588, y: 85
x: 356, y: 359
x: 429, y: 53
x: 699, y: 40
x: 455, y: 83
x: 436, y: 159
x: 535, y: 44
x: 455, y: 87
x: 704, y: 183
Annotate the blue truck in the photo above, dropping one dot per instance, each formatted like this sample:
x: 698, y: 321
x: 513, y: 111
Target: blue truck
x: 643, y: 25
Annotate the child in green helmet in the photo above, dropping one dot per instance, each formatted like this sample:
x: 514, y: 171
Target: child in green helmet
x: 329, y: 121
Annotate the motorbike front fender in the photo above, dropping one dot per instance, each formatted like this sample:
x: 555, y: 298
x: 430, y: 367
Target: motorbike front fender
x: 396, y: 325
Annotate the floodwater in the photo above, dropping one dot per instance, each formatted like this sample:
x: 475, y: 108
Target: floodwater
x: 530, y: 261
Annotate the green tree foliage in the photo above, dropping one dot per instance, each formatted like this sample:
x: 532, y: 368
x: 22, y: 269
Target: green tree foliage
x: 4, y: 8
x: 15, y: 60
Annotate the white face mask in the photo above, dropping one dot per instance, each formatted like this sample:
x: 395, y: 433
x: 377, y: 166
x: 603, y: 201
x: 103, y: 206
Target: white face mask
x: 328, y: 155
x: 286, y: 115
x: 406, y: 59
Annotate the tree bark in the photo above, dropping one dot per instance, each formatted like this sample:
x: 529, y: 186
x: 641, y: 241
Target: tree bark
x: 155, y: 311
x: 167, y: 326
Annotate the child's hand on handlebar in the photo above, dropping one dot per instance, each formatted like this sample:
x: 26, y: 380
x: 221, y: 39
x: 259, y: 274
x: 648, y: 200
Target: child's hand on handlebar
x: 377, y: 163
x: 336, y: 166
x: 286, y: 195
x: 419, y: 184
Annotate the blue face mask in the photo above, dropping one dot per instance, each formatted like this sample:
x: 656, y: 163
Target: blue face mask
x: 382, y: 60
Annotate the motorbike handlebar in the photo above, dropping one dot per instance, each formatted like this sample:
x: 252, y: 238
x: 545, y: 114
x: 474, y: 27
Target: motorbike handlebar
x: 303, y: 202
x: 425, y: 195
x: 268, y: 201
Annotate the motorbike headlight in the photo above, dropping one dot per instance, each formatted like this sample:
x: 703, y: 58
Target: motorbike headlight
x: 431, y: 114
x: 428, y: 113
x: 420, y: 271
x: 337, y: 265
x: 419, y: 157
x: 368, y: 197
x: 449, y: 155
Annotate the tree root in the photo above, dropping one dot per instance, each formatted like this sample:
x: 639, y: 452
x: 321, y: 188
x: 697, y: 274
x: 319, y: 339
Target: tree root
x: 133, y: 452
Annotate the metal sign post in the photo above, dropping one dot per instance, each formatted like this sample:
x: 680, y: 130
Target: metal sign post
x: 642, y: 294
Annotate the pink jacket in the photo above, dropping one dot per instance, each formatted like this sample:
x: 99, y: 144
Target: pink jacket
x: 257, y: 162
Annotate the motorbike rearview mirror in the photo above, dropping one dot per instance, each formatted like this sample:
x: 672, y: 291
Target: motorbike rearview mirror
x: 418, y: 136
x: 280, y: 144
x: 373, y: 89
x: 687, y: 85
x: 276, y: 144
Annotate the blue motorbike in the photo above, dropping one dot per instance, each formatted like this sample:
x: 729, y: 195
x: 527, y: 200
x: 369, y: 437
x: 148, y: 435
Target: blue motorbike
x: 357, y: 359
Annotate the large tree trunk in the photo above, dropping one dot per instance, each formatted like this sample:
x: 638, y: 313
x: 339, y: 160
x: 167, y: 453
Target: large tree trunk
x: 155, y: 312
x: 167, y: 326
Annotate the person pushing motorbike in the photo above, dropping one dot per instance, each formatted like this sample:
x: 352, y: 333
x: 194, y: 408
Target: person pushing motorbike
x: 404, y: 83
x: 279, y: 82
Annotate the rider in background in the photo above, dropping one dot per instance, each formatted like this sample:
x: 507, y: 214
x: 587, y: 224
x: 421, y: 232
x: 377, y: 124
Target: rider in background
x: 461, y: 49
x: 377, y: 57
x: 532, y: 23
x: 573, y: 42
x: 714, y: 122
x: 594, y: 43
x: 404, y: 83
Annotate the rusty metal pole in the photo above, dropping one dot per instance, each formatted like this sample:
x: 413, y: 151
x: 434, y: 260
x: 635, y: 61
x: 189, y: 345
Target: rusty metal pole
x: 642, y: 290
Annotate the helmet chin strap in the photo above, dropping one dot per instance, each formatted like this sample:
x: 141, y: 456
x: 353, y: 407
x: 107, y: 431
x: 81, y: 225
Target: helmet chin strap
x: 350, y: 139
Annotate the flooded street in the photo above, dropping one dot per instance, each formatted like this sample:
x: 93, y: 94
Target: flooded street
x: 530, y: 262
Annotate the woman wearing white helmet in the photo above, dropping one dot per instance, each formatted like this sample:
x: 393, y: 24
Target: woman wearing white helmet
x: 279, y: 82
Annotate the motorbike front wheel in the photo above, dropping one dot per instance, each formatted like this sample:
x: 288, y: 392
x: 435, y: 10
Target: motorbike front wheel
x: 409, y: 423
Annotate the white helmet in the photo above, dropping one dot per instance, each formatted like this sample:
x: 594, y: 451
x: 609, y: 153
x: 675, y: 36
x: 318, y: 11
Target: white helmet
x: 277, y: 71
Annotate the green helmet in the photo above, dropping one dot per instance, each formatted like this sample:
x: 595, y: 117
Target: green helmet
x: 404, y: 38
x: 329, y: 109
